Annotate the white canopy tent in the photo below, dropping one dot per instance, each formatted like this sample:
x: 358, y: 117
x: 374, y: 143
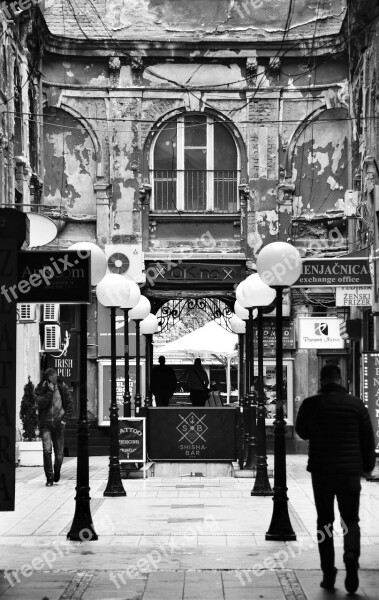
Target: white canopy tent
x: 207, y: 340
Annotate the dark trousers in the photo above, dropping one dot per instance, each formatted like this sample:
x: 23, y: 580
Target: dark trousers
x: 198, y: 397
x: 52, y: 437
x: 346, y: 488
x: 162, y: 399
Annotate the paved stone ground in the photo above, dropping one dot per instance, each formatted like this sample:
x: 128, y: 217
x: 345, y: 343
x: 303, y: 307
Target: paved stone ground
x: 172, y: 539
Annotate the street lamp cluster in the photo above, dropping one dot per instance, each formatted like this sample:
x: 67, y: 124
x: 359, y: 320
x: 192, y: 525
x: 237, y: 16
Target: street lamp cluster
x: 113, y: 291
x: 279, y: 266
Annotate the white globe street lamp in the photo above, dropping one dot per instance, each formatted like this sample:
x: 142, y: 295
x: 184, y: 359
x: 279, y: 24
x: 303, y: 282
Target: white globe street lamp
x: 138, y: 314
x: 82, y: 518
x: 130, y: 302
x: 279, y: 265
x: 148, y: 327
x: 112, y: 291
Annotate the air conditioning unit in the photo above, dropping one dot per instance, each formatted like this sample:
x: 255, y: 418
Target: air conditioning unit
x: 52, y: 338
x: 126, y: 260
x: 26, y: 313
x: 51, y: 313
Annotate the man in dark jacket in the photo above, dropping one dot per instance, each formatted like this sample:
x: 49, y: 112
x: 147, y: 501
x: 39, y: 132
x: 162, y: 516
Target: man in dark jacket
x: 341, y: 448
x: 163, y: 382
x: 55, y: 409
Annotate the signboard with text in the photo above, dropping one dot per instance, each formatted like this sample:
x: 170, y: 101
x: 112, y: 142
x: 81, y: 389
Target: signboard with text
x: 65, y: 361
x: 269, y: 336
x: 320, y: 333
x: 354, y: 296
x: 200, y: 274
x: 371, y: 390
x: 333, y: 272
x: 132, y: 439
x: 51, y: 276
x: 194, y: 434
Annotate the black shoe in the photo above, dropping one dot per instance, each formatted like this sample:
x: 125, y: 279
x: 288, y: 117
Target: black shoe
x: 49, y: 483
x: 352, y: 579
x: 329, y: 580
x: 57, y: 476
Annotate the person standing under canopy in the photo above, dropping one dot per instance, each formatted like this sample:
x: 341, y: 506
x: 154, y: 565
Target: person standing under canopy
x: 163, y: 382
x: 197, y: 381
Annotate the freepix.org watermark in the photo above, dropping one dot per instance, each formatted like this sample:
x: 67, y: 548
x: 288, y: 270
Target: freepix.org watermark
x: 278, y: 560
x: 60, y: 267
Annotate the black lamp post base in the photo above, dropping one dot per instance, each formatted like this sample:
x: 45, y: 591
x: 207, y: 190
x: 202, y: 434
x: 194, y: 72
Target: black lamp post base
x: 82, y: 529
x: 262, y: 485
x: 114, y: 485
x: 114, y: 492
x: 261, y: 492
x: 280, y: 528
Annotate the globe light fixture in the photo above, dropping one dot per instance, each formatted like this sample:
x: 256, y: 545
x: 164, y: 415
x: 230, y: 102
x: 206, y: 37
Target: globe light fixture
x: 82, y: 521
x: 129, y: 303
x: 279, y: 265
x: 240, y: 311
x: 112, y: 291
x: 237, y: 325
x: 138, y: 314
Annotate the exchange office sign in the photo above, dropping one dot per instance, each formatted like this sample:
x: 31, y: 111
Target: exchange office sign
x: 332, y: 272
x: 371, y: 390
x: 320, y: 333
x: 200, y: 434
x: 200, y: 274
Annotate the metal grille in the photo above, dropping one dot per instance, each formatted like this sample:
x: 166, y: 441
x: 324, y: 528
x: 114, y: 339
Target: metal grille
x: 196, y: 188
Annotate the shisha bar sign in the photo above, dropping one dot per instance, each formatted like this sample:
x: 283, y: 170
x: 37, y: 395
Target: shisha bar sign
x: 371, y: 390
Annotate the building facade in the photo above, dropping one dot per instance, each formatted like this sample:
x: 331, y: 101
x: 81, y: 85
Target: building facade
x: 181, y: 144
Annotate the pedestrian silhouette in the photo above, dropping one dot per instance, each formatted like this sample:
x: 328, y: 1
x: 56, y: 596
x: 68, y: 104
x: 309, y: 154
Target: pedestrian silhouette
x: 341, y: 449
x: 197, y: 381
x: 163, y: 382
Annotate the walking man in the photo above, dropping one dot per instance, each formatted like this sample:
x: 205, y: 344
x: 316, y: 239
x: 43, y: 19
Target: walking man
x: 55, y: 409
x: 163, y: 382
x: 341, y: 449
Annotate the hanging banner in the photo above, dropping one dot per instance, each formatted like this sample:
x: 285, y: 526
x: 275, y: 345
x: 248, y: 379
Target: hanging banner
x: 8, y: 278
x: 371, y: 390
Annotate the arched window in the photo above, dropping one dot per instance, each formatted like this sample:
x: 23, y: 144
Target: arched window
x: 195, y: 166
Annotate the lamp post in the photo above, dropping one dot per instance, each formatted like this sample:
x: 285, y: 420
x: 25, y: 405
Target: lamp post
x: 260, y: 295
x: 243, y: 314
x: 112, y: 292
x: 239, y: 326
x: 82, y: 523
x: 148, y: 327
x: 251, y: 399
x: 279, y: 266
x: 138, y: 314
x: 131, y: 302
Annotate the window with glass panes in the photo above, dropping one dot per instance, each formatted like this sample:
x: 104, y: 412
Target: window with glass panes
x: 195, y: 166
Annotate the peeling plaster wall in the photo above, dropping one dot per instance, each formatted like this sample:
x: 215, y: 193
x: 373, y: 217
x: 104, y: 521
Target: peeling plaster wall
x: 320, y: 162
x: 70, y: 166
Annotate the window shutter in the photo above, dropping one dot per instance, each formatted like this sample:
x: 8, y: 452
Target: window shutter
x: 26, y: 312
x: 51, y: 312
x: 52, y: 337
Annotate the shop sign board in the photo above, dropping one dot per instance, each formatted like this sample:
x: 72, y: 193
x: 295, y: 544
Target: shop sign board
x: 200, y: 274
x: 371, y: 390
x: 269, y: 335
x: 320, y: 333
x: 66, y: 360
x: 334, y: 272
x: 354, y: 296
x: 132, y: 439
x: 51, y: 276
x: 8, y: 277
x: 193, y: 434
